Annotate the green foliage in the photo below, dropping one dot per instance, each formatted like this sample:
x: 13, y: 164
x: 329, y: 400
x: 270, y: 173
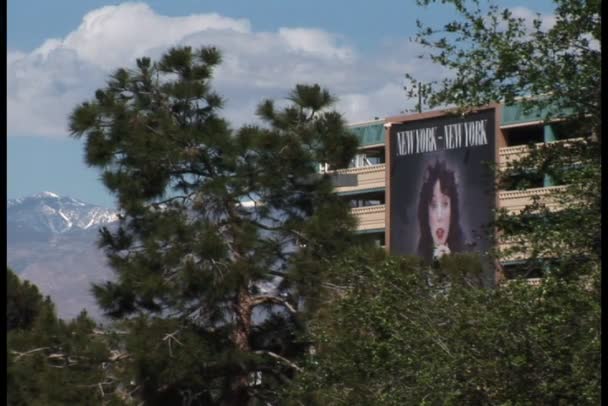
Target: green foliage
x: 572, y: 233
x: 395, y: 332
x: 23, y: 302
x: 52, y: 362
x: 494, y: 55
x: 210, y: 215
x: 403, y: 334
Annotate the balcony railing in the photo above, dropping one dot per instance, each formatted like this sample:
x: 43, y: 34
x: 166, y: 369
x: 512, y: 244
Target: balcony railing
x: 370, y: 217
x: 515, y: 200
x: 358, y: 179
x: 510, y: 154
x: 361, y: 169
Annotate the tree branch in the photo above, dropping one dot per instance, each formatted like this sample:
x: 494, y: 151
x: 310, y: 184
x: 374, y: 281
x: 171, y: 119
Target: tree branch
x: 21, y: 354
x: 278, y: 357
x: 258, y: 300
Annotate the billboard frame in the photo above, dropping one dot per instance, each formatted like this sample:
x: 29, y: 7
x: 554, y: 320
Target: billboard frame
x: 414, y: 117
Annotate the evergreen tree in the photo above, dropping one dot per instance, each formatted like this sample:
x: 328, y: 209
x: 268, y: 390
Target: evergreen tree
x: 52, y: 362
x: 223, y: 232
x: 23, y: 302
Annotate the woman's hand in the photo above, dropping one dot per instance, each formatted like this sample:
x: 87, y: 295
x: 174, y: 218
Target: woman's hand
x: 441, y: 250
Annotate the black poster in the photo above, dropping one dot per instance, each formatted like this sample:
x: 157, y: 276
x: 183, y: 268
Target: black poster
x: 442, y: 185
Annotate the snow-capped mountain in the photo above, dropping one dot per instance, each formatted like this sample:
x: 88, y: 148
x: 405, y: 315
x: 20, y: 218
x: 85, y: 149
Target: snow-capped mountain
x: 52, y: 242
x: 49, y: 213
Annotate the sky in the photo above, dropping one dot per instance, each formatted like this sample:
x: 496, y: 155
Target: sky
x: 59, y: 52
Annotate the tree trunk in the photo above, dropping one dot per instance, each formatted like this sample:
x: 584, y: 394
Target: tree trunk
x: 239, y: 385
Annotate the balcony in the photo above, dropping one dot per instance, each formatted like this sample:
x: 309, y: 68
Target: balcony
x: 359, y: 179
x: 372, y: 178
x: 504, y: 245
x: 510, y: 154
x: 515, y: 200
x: 369, y: 218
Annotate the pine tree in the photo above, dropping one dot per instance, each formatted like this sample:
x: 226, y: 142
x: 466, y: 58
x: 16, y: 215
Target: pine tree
x: 223, y: 233
x: 23, y: 302
x: 50, y: 361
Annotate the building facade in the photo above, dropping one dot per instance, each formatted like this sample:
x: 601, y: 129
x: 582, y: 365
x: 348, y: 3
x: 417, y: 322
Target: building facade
x: 383, y: 182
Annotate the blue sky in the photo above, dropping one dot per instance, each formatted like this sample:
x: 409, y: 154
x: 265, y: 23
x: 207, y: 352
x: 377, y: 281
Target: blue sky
x: 60, y: 51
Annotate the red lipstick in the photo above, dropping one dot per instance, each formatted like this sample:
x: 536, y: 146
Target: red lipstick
x: 440, y: 233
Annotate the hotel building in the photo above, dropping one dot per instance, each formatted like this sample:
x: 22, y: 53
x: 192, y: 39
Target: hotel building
x: 366, y: 182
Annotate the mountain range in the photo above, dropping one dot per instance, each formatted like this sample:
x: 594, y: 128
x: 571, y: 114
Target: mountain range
x: 52, y: 242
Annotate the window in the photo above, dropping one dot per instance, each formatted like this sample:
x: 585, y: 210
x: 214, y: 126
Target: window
x: 522, y: 270
x: 377, y: 238
x: 566, y: 130
x: 524, y: 135
x: 522, y: 180
x: 368, y: 157
x: 366, y: 199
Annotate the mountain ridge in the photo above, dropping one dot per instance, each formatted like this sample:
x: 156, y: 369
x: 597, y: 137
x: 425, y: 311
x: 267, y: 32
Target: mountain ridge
x: 52, y: 242
x: 47, y: 212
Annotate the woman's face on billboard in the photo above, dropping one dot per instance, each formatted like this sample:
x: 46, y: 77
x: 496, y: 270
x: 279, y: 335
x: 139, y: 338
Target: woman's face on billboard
x: 439, y: 215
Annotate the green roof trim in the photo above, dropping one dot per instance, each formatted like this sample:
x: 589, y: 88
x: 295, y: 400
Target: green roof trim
x: 515, y: 114
x: 369, y: 134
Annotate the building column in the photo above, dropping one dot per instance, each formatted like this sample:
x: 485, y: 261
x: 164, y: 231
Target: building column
x: 548, y: 136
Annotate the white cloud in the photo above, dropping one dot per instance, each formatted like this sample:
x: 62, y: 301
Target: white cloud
x: 547, y: 20
x: 315, y: 42
x: 528, y: 16
x: 42, y: 89
x: 389, y: 100
x: 12, y: 56
x: 47, y: 83
x: 109, y: 36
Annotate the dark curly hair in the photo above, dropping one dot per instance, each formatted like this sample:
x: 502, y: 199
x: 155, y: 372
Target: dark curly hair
x: 447, y: 181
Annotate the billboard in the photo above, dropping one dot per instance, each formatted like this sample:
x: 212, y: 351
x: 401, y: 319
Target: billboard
x: 441, y: 184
